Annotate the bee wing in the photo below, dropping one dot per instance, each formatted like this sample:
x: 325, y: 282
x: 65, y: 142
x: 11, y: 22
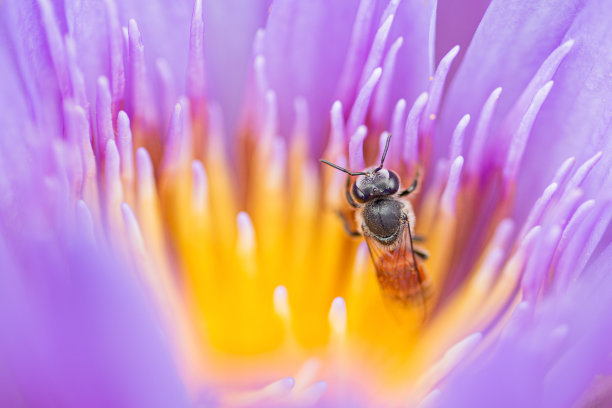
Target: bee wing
x: 400, y: 274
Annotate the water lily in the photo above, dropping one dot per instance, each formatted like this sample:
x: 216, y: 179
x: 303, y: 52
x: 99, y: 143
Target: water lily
x: 169, y: 237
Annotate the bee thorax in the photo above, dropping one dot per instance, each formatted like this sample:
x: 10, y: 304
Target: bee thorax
x: 383, y: 217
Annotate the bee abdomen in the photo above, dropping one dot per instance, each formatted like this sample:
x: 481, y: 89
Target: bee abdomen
x: 404, y: 282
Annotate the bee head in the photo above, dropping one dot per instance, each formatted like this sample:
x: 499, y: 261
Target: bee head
x: 378, y: 183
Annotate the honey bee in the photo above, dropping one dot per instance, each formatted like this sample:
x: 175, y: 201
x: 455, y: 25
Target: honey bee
x: 385, y: 219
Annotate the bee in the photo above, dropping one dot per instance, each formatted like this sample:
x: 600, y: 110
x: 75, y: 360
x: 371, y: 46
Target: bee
x: 385, y: 219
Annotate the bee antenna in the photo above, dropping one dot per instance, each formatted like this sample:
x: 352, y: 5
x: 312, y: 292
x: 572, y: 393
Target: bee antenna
x: 382, y: 160
x: 335, y: 166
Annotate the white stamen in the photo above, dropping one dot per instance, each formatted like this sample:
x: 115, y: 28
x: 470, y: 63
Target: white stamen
x: 389, y: 10
x: 555, y: 342
x: 572, y: 243
x: 564, y: 171
x: 144, y: 174
x: 376, y: 51
x: 104, y: 121
x: 539, y: 208
x: 337, y: 316
x: 431, y: 400
x: 281, y: 303
x: 336, y: 143
x: 167, y: 86
x: 594, y: 237
x: 536, y: 270
x: 449, y: 197
x: 456, y: 145
x: 489, y: 268
x: 199, y: 187
x: 514, y: 266
x: 85, y: 220
x: 355, y: 54
x: 126, y: 37
x: 124, y: 144
x: 258, y: 42
x: 577, y: 219
x: 174, y: 140
x: 356, y: 161
x: 567, y: 204
x: 300, y: 107
x: 381, y: 97
x: 582, y: 173
x: 539, y: 80
x: 449, y: 360
x: 312, y: 394
x: 260, y: 74
x: 216, y: 130
x: 115, y: 55
x: 277, y: 168
x: 76, y: 75
x: 411, y: 133
x: 142, y: 102
x: 246, y: 235
x: 270, y: 125
x: 337, y: 121
x: 114, y: 189
x: 362, y: 102
x: 195, y: 64
x: 306, y: 376
x: 436, y: 88
x: 397, y: 125
x: 55, y: 45
x: 480, y: 135
x: 133, y: 233
x: 517, y: 321
x: 519, y: 138
x: 398, y: 120
x: 503, y: 232
x: 262, y: 397
x: 431, y: 37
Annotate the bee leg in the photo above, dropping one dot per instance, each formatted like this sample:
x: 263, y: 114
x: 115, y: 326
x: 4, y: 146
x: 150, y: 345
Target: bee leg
x: 347, y: 192
x: 421, y: 253
x: 347, y: 227
x: 410, y: 189
x: 418, y: 238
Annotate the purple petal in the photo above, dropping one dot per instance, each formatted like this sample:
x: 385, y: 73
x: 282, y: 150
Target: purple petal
x: 576, y: 118
x: 27, y: 52
x: 164, y: 27
x: 510, y: 45
x: 78, y: 328
x: 306, y: 54
x: 305, y: 48
x: 456, y: 21
x: 229, y: 30
x: 79, y: 332
x: 551, y: 359
x: 414, y: 63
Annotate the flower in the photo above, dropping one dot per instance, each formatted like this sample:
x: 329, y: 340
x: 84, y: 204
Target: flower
x: 171, y: 245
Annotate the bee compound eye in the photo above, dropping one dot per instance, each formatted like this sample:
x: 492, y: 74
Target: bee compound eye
x: 359, y: 195
x: 393, y: 183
